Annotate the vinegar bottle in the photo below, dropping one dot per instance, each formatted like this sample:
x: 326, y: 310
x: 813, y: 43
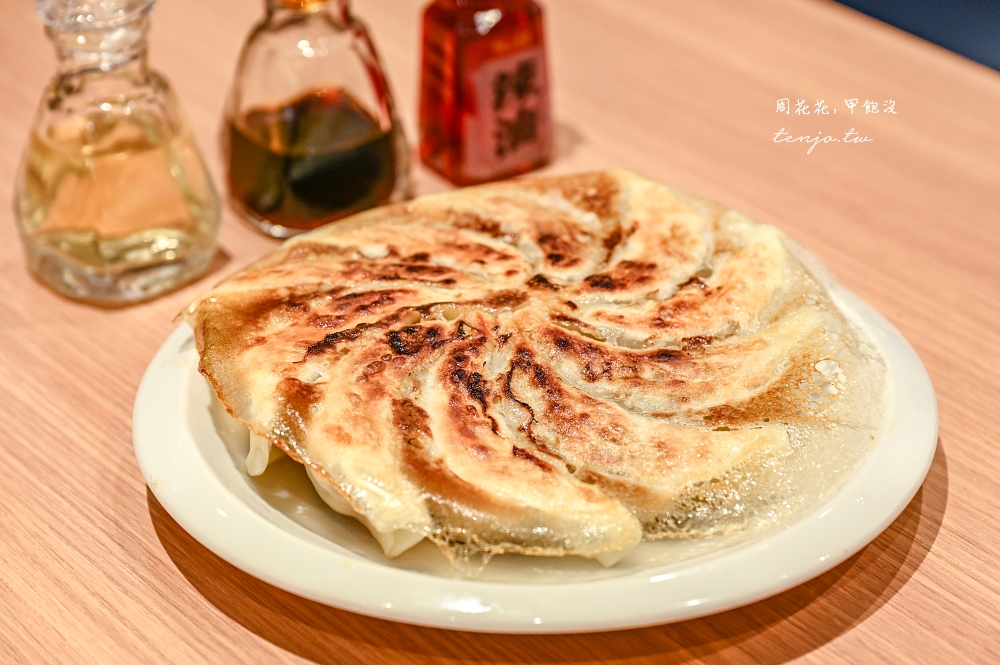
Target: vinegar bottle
x: 113, y: 200
x: 311, y: 133
x: 484, y: 91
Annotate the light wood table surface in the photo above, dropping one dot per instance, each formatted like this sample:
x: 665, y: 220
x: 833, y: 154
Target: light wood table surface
x: 93, y: 570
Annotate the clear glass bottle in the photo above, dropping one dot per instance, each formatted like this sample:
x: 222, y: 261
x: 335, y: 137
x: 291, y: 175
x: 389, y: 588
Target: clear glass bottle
x: 113, y: 200
x: 484, y: 91
x: 311, y: 133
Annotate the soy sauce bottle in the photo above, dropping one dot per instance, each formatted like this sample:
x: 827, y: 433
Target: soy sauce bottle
x: 311, y: 133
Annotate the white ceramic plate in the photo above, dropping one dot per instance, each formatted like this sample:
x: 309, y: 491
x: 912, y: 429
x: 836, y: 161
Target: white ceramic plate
x: 276, y: 528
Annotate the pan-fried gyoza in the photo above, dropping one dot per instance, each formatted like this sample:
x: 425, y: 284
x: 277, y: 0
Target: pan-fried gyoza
x: 549, y: 366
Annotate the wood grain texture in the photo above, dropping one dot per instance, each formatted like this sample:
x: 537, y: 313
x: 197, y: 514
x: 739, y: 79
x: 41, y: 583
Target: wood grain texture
x: 93, y: 570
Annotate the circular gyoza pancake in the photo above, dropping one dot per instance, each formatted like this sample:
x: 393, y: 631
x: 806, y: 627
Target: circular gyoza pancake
x: 546, y: 366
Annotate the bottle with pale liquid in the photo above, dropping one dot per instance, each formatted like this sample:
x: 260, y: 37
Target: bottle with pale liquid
x: 113, y: 199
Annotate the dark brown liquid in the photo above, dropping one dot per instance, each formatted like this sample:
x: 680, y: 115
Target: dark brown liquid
x: 316, y: 159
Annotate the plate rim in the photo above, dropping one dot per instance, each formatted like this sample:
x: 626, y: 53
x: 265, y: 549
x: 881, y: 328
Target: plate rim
x: 179, y: 477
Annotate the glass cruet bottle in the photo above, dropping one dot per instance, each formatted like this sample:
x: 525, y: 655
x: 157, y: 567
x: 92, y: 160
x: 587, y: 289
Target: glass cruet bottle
x: 311, y: 133
x: 484, y: 89
x: 113, y: 199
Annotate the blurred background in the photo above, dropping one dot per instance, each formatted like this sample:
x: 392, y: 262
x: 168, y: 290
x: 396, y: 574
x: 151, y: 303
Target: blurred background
x: 968, y: 27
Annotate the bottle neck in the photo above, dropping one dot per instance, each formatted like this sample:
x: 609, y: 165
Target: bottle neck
x: 285, y: 12
x: 122, y: 46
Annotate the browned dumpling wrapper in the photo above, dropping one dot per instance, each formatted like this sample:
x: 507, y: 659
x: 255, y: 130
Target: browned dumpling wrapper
x: 548, y: 366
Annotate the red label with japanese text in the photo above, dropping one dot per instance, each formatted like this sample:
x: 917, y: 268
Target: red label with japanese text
x: 511, y: 123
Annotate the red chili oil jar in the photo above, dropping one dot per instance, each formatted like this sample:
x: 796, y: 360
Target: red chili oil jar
x: 484, y: 94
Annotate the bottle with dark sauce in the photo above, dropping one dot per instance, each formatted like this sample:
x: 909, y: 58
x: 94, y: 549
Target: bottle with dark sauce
x: 311, y: 133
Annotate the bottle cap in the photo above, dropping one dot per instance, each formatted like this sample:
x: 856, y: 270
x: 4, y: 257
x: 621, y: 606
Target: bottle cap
x: 303, y: 5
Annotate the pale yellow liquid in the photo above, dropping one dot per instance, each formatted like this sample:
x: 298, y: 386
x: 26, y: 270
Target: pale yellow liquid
x: 116, y: 209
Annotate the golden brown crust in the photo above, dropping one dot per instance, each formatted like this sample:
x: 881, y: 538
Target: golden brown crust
x: 546, y: 366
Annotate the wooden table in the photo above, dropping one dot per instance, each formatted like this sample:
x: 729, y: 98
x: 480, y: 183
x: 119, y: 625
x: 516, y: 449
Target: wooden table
x: 93, y: 570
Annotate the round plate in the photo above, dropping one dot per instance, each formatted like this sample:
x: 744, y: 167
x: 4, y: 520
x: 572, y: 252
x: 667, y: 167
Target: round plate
x: 276, y: 528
